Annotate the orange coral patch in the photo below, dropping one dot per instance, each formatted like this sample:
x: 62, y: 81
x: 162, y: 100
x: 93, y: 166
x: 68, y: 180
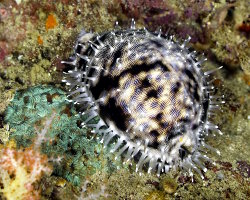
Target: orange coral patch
x: 39, y: 40
x: 51, y: 22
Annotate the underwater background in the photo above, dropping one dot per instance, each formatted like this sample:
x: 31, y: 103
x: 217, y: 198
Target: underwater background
x: 44, y: 154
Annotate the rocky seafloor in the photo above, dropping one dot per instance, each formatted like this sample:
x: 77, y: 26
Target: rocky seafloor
x: 44, y: 152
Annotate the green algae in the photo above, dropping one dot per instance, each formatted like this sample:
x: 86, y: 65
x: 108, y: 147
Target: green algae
x: 31, y: 63
x: 169, y: 185
x: 27, y: 115
x: 38, y: 72
x: 125, y: 183
x: 230, y: 46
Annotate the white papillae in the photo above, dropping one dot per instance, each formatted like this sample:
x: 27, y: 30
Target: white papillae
x: 158, y: 161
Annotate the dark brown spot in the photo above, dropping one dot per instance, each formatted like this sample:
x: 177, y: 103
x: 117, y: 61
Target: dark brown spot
x: 159, y: 116
x: 154, y: 134
x: 176, y: 87
x: 195, y: 126
x: 50, y: 97
x: 66, y: 111
x: 115, y: 113
x: 1, y: 121
x: 152, y: 94
x: 164, y: 125
x: 26, y: 99
x: 145, y: 83
x: 189, y: 74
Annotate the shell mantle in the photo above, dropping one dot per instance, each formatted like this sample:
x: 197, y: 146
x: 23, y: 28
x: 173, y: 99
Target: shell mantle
x: 150, y: 94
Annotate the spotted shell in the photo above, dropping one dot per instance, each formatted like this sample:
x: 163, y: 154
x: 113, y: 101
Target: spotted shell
x: 150, y: 93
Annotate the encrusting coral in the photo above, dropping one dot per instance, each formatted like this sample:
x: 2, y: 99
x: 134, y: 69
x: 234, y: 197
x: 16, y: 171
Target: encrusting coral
x: 20, y: 170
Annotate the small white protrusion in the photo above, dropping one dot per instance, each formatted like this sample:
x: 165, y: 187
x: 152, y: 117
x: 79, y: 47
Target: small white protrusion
x: 159, y: 34
x: 166, y: 34
x: 211, y: 87
x: 149, y: 170
x: 94, y: 48
x: 192, y: 54
x: 200, y: 62
x: 69, y: 62
x: 185, y: 42
x: 116, y: 25
x: 212, y: 71
x: 146, y: 31
x: 83, y: 57
x: 111, y: 48
x: 121, y: 38
x: 132, y: 26
x: 99, y: 41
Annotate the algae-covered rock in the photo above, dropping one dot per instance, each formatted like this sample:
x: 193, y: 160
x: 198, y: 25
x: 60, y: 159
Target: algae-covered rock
x: 155, y: 195
x: 169, y: 185
x: 38, y: 73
